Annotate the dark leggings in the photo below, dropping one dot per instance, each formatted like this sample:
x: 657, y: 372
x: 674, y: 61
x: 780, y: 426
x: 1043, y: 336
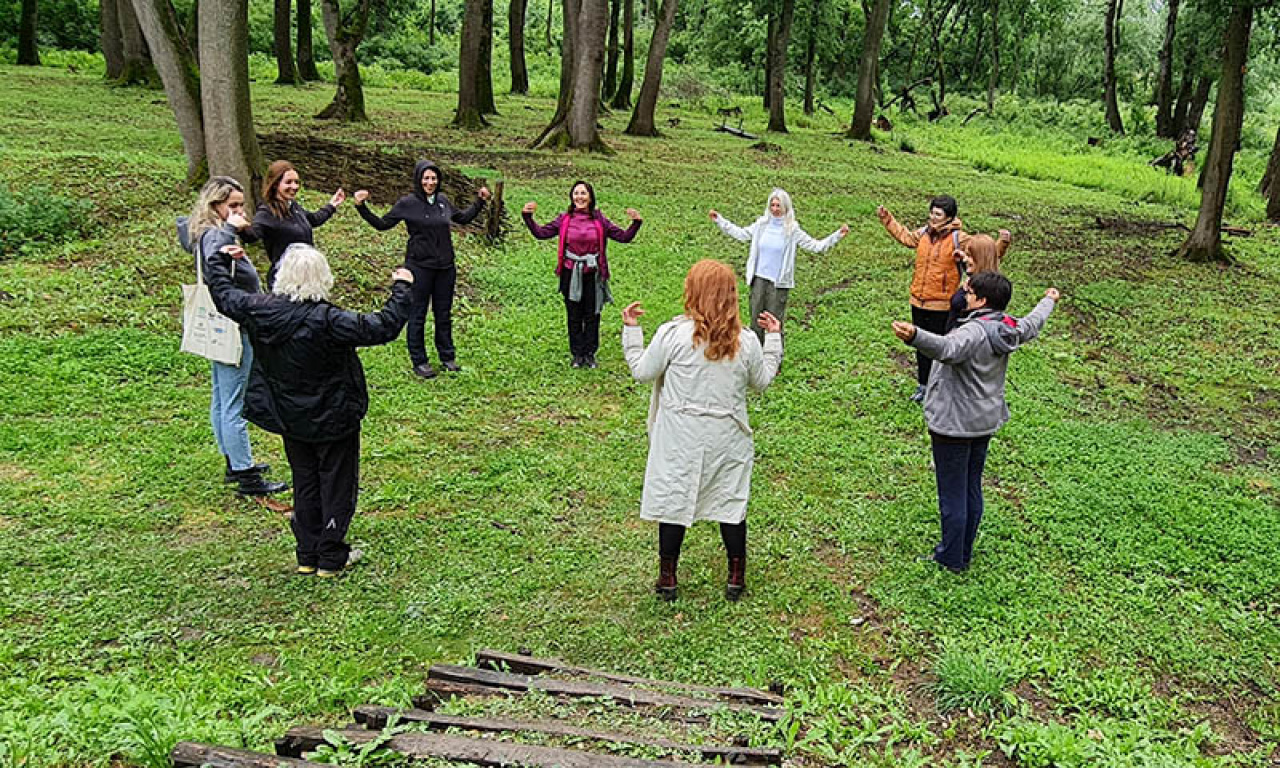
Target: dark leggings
x: 933, y: 321
x: 671, y: 537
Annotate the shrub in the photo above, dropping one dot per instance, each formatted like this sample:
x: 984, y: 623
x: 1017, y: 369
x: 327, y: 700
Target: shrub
x: 977, y: 679
x: 39, y: 217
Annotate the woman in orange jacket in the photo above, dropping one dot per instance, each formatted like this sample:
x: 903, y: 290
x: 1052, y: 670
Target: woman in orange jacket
x: 937, y: 275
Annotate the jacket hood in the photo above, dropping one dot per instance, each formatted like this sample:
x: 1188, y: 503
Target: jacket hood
x: 422, y: 167
x: 287, y: 317
x: 184, y: 235
x: 1001, y: 329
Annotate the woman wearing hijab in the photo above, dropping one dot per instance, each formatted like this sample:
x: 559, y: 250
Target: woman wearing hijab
x: 428, y: 215
x: 280, y: 220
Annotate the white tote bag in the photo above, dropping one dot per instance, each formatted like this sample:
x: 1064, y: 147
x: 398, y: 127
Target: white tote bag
x: 205, y: 331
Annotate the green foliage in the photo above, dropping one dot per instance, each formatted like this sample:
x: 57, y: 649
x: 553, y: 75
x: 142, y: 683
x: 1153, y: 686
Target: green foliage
x: 39, y: 217
x: 979, y: 678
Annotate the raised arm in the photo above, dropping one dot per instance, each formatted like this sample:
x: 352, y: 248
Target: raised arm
x: 541, y: 231
x: 1030, y: 326
x: 956, y: 347
x: 322, y: 214
x: 733, y: 230
x: 380, y: 223
x: 465, y: 216
x: 645, y: 364
x: 762, y: 366
x: 230, y: 300
x: 807, y: 242
x: 896, y: 230
x: 366, y: 330
x: 618, y: 234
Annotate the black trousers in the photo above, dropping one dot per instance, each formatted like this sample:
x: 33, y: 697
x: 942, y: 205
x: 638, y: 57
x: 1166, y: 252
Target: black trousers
x: 958, y: 463
x: 325, y: 476
x: 933, y: 321
x: 583, y: 316
x: 671, y: 539
x: 431, y: 288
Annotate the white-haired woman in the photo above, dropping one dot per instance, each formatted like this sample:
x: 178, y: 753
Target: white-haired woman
x: 308, y: 386
x: 215, y: 222
x: 771, y: 262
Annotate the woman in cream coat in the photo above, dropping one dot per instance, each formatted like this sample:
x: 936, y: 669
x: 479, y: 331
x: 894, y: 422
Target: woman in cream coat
x: 702, y: 364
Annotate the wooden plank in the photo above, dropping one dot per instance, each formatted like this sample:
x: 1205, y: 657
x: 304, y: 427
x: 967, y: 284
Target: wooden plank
x: 189, y: 754
x: 441, y: 691
x: 477, y: 751
x: 529, y: 665
x: 619, y: 694
x: 376, y: 718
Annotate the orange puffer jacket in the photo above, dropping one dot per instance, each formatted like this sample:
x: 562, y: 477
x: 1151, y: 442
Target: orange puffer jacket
x: 936, y: 275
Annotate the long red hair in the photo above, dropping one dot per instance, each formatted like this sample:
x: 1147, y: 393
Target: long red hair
x: 271, y: 187
x: 711, y: 301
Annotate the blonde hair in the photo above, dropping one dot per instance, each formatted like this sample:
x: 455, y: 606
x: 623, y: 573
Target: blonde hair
x: 986, y: 256
x: 788, y: 212
x: 711, y: 301
x: 304, y: 274
x: 204, y: 216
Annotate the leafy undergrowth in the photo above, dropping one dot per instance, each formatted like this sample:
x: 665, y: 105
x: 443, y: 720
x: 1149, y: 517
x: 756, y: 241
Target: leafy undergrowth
x: 1122, y: 605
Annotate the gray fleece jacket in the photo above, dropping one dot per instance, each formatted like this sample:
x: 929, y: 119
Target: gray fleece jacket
x: 965, y: 395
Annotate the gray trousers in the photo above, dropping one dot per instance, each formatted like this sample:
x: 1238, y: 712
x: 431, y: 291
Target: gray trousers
x: 767, y: 297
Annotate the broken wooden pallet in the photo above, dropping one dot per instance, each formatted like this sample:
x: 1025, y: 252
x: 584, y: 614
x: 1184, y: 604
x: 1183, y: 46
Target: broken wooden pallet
x: 190, y: 754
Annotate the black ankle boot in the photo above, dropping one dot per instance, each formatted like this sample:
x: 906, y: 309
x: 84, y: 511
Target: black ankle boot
x: 737, y: 583
x: 666, y: 586
x: 233, y: 475
x: 252, y: 483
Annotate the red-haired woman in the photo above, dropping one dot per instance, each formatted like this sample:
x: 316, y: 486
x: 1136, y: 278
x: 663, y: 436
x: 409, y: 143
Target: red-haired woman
x: 702, y: 364
x: 280, y: 221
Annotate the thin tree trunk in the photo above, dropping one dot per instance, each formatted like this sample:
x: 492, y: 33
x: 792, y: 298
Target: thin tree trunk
x: 286, y: 73
x: 469, y: 114
x: 811, y: 55
x: 28, y: 50
x: 230, y: 143
x: 1195, y: 113
x: 345, y: 34
x: 550, y: 12
x: 484, y: 83
x: 306, y: 51
x: 1205, y: 241
x: 586, y: 24
x: 1109, y: 67
x: 622, y: 95
x: 137, y: 61
x: 192, y: 31
x: 771, y: 35
x: 993, y: 80
x: 431, y: 25
x: 110, y: 38
x: 1270, y: 186
x: 778, y: 69
x: 864, y: 99
x: 1185, y: 90
x: 1164, y: 77
x: 642, y: 119
x: 611, y: 58
x: 177, y: 69
x: 515, y: 45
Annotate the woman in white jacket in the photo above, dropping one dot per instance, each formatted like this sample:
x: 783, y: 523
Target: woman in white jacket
x: 771, y: 262
x: 700, y: 449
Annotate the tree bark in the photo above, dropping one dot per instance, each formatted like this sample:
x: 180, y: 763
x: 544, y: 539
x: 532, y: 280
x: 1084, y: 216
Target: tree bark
x: 551, y: 5
x: 484, y: 84
x: 771, y: 35
x: 138, y: 69
x: 1109, y: 67
x: 431, y: 25
x: 993, y: 80
x: 642, y: 119
x: 468, y: 114
x: 110, y: 39
x: 177, y: 69
x: 345, y: 34
x: 622, y: 95
x: 306, y: 52
x: 515, y: 45
x: 192, y: 32
x: 28, y: 50
x: 811, y: 55
x: 286, y: 73
x: 1195, y: 113
x: 586, y: 23
x: 1185, y: 89
x: 1205, y: 241
x: 1269, y: 187
x: 1164, y: 77
x: 230, y: 143
x: 864, y: 100
x: 611, y: 58
x: 778, y: 69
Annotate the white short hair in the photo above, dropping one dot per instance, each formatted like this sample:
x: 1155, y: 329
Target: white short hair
x: 304, y: 274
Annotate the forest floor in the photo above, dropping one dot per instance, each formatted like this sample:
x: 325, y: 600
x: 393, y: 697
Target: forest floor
x: 1122, y: 608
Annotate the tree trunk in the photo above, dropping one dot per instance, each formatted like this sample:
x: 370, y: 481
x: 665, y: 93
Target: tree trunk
x: 622, y: 96
x: 642, y: 122
x: 109, y: 38
x: 1205, y: 241
x: 138, y: 69
x: 810, y: 55
x: 864, y: 100
x: 1195, y: 113
x: 771, y: 34
x: 778, y: 69
x: 1164, y: 77
x: 993, y: 80
x: 468, y: 114
x: 1270, y: 184
x: 192, y: 32
x: 1179, y: 119
x: 611, y: 59
x: 431, y: 25
x: 286, y: 74
x: 484, y: 83
x: 574, y: 125
x: 28, y: 51
x: 177, y: 69
x: 550, y: 12
x: 515, y: 45
x: 230, y: 143
x: 1109, y: 67
x: 306, y: 52
x: 345, y: 34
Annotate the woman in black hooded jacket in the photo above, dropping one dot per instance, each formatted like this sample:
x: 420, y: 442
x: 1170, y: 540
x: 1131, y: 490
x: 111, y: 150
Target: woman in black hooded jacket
x: 428, y: 215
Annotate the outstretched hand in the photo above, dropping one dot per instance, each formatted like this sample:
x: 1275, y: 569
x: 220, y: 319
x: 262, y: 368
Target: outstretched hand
x: 882, y: 212
x: 713, y: 214
x: 529, y: 207
x: 633, y: 214
x: 844, y: 229
x: 361, y: 195
x: 769, y: 323
x: 631, y: 313
x: 484, y: 193
x: 402, y: 274
x: 338, y: 198
x: 1052, y: 293
x: 904, y: 331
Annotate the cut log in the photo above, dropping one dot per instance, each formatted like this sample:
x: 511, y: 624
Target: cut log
x: 619, y: 694
x: 478, y: 751
x: 188, y: 754
x: 376, y: 718
x: 529, y: 665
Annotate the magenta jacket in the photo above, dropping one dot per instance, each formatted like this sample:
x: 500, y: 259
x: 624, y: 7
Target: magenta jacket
x: 558, y: 226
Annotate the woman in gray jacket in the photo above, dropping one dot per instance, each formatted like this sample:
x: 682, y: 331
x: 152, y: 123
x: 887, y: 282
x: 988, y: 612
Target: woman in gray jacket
x: 964, y: 401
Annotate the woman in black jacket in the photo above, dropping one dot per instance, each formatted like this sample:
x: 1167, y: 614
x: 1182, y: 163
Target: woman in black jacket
x: 427, y: 214
x: 307, y: 385
x: 280, y: 221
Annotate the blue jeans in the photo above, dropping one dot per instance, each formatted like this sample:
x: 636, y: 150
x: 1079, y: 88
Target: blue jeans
x: 958, y: 463
x: 226, y: 412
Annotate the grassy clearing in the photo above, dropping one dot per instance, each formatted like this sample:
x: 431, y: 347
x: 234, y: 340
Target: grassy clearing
x: 1122, y: 609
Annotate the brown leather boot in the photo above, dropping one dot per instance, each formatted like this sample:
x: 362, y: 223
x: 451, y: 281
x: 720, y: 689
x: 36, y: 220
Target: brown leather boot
x: 737, y: 583
x: 666, y: 586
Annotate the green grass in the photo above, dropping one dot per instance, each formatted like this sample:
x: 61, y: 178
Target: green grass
x: 1122, y: 605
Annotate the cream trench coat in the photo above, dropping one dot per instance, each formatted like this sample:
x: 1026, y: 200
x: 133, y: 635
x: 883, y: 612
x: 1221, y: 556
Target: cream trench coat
x: 700, y: 447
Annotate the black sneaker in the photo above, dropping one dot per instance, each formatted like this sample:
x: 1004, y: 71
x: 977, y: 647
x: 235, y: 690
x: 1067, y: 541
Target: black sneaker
x: 451, y: 366
x: 425, y: 371
x: 589, y: 361
x: 577, y: 362
x: 233, y: 475
x: 254, y: 484
x: 918, y: 395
